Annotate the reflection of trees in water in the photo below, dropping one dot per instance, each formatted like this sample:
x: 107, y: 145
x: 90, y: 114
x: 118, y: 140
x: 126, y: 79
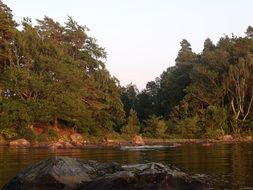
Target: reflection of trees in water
x: 225, y: 164
x: 242, y: 164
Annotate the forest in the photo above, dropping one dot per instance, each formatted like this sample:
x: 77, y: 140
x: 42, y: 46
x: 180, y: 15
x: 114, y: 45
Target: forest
x: 54, y: 75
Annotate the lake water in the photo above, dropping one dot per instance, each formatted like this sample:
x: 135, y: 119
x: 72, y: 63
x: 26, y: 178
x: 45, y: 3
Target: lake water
x: 226, y: 166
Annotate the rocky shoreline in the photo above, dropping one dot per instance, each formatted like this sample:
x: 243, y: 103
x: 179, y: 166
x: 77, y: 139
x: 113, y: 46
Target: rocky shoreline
x: 76, y: 141
x: 67, y: 173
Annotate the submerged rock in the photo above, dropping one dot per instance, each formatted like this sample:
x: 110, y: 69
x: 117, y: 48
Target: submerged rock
x: 74, y: 174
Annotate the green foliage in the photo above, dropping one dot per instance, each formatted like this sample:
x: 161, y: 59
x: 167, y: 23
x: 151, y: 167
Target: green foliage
x: 7, y: 34
x: 216, y: 119
x: 8, y: 133
x: 185, y: 57
x: 133, y: 124
x: 26, y: 133
x: 15, y: 113
x: 212, y: 134
x: 52, y: 73
x: 52, y: 134
x: 43, y: 137
x: 161, y: 128
x: 155, y: 127
x: 204, y: 95
x: 188, y: 127
x: 128, y: 97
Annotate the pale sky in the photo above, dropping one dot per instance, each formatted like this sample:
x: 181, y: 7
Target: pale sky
x: 142, y: 37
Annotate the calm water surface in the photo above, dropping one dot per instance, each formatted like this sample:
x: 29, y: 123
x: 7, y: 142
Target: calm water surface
x: 227, y: 166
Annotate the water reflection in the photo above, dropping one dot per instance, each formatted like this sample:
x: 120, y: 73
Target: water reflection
x: 229, y: 166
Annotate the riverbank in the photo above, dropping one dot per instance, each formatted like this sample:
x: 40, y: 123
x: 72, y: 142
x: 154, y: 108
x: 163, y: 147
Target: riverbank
x: 222, y: 139
x: 77, y: 141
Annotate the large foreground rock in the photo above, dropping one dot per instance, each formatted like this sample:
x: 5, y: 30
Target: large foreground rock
x: 74, y: 174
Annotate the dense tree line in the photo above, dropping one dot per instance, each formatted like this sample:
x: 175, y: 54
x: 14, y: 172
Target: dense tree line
x: 203, y: 95
x: 53, y: 75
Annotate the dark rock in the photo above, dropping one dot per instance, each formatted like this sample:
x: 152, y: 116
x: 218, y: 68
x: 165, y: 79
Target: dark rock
x: 53, y: 174
x: 151, y: 176
x: 74, y: 174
